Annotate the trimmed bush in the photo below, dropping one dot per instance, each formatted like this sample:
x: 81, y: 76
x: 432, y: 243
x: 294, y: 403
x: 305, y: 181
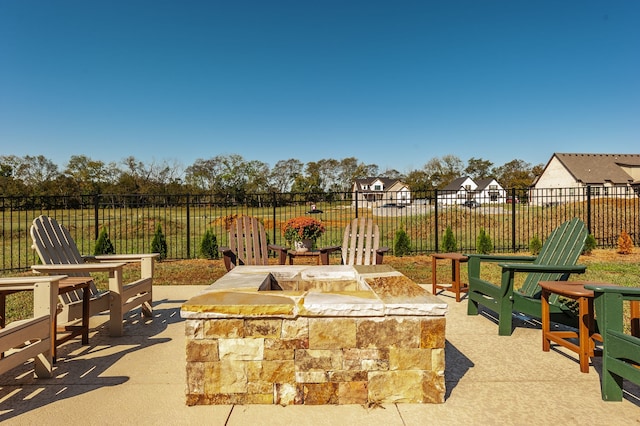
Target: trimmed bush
x: 103, y: 244
x: 209, y: 245
x: 449, y: 243
x: 535, y: 245
x: 401, y: 243
x: 625, y: 243
x: 483, y: 243
x: 159, y: 243
x: 589, y: 244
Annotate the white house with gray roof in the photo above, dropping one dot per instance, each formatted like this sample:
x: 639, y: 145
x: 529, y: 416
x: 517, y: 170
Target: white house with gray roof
x: 484, y: 191
x: 377, y: 191
x: 567, y: 176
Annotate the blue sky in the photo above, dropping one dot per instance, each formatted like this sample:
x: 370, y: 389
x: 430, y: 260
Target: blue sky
x: 393, y: 83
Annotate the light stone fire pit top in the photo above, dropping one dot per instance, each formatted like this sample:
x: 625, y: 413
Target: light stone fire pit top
x: 290, y: 291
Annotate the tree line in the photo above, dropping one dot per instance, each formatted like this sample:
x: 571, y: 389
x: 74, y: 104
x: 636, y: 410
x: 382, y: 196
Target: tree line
x: 233, y: 175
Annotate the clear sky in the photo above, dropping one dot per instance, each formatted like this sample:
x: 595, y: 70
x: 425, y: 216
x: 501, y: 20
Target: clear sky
x: 393, y: 83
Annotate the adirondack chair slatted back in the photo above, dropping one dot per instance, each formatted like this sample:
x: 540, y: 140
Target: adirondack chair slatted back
x: 248, y: 240
x: 55, y: 246
x: 54, y: 243
x: 562, y: 247
x: 360, y: 242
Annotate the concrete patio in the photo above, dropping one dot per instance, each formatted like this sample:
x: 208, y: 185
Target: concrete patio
x: 139, y: 379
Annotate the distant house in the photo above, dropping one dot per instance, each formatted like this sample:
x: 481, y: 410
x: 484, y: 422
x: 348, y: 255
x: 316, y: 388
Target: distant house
x: 566, y: 177
x: 377, y: 191
x: 484, y: 191
x: 490, y: 191
x: 457, y: 192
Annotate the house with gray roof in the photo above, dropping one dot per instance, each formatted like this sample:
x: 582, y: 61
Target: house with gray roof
x: 377, y: 191
x: 484, y: 191
x: 567, y: 176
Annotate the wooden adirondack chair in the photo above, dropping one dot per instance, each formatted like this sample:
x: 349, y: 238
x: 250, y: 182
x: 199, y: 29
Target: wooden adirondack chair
x: 38, y: 331
x: 248, y: 244
x: 59, y: 255
x: 621, y: 351
x: 360, y: 244
x: 556, y: 261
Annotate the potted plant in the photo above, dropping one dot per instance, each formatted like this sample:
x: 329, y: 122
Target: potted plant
x: 303, y: 232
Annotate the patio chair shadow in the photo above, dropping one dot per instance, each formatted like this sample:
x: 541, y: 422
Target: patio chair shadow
x: 457, y: 365
x: 81, y: 369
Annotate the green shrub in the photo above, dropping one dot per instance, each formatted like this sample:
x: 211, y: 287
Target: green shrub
x: 159, y: 243
x: 589, y: 244
x: 449, y: 243
x: 401, y: 243
x: 535, y: 245
x: 103, y: 244
x: 483, y: 243
x: 209, y: 245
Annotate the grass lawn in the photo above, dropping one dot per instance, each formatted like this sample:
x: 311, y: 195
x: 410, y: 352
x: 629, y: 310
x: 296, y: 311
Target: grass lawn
x: 602, y: 266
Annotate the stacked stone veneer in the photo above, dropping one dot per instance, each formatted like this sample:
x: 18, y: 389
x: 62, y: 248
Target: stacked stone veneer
x: 285, y: 351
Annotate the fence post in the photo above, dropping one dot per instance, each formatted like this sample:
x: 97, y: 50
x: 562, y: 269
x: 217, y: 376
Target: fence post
x: 95, y: 215
x: 188, y: 227
x: 274, y: 200
x: 589, y: 209
x: 435, y: 212
x: 513, y: 220
x: 357, y: 204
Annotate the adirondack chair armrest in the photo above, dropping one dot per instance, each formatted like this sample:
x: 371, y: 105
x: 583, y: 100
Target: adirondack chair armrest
x: 330, y: 249
x: 228, y: 256
x: 630, y: 291
x: 382, y: 250
x: 76, y: 268
x: 531, y: 267
x: 282, y: 252
x: 127, y: 258
x: 499, y: 258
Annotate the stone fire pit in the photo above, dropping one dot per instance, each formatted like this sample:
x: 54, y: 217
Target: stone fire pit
x: 314, y: 335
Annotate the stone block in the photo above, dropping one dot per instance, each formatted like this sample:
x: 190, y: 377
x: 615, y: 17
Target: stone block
x: 318, y: 359
x: 262, y: 328
x: 320, y: 393
x: 295, y: 329
x: 271, y: 371
x: 406, y: 386
x: 410, y: 359
x: 195, y: 377
x: 287, y: 394
x: 353, y: 393
x: 193, y: 329
x: 224, y: 328
x: 388, y: 332
x: 432, y: 333
x: 332, y: 333
x: 241, y: 349
x: 225, y: 377
x: 202, y: 350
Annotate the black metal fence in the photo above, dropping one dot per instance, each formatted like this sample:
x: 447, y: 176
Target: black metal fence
x: 511, y: 221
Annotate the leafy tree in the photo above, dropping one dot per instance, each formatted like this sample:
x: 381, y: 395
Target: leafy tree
x: 401, y: 243
x: 159, y: 243
x: 283, y: 174
x: 441, y: 171
x: 515, y: 174
x: 449, y: 243
x: 477, y: 168
x: 103, y: 244
x: 209, y: 245
x: 484, y: 245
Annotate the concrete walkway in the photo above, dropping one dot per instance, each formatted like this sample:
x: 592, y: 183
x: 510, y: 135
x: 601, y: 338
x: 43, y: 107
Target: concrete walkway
x: 139, y: 379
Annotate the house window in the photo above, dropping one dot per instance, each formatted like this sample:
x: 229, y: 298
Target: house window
x: 493, y: 187
x: 572, y: 191
x: 377, y: 187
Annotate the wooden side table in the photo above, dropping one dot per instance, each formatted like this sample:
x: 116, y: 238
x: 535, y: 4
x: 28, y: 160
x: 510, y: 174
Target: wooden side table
x: 456, y: 286
x: 312, y: 253
x: 586, y: 333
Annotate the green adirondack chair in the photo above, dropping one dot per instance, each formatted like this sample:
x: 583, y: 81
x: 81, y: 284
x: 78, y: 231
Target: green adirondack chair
x: 556, y: 261
x: 621, y: 351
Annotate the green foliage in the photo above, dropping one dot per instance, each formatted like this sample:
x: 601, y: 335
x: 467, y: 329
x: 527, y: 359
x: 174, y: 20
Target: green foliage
x: 103, y: 244
x: 483, y: 243
x: 449, y: 243
x: 589, y: 244
x: 159, y: 243
x: 535, y: 245
x: 209, y: 245
x: 401, y: 243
